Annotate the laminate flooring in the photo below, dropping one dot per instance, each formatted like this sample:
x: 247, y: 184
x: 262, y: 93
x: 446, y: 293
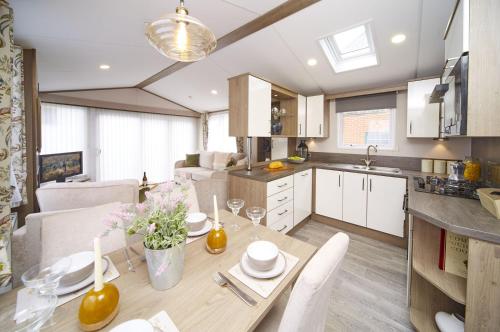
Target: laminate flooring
x: 370, y: 289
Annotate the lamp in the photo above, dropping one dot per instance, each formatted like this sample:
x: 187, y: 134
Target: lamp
x: 181, y: 37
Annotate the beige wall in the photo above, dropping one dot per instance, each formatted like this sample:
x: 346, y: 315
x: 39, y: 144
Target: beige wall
x: 455, y: 148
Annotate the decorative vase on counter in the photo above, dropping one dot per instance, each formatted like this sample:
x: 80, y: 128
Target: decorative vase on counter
x: 276, y: 128
x: 165, y: 266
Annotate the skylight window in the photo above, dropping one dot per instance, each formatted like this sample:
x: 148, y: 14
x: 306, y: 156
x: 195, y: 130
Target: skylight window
x: 350, y: 49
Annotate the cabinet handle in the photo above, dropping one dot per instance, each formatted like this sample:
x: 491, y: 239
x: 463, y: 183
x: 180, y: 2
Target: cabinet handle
x: 320, y: 128
x: 339, y: 180
x: 305, y: 174
x: 282, y: 228
x: 281, y: 200
x: 410, y: 126
x: 282, y: 213
x: 300, y: 128
x: 370, y: 185
x: 282, y: 185
x: 363, y: 185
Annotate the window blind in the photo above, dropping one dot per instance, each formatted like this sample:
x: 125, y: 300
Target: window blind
x: 366, y: 103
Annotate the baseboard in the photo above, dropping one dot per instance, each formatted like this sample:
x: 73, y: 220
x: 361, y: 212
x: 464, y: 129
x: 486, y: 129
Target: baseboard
x: 299, y: 226
x: 363, y: 231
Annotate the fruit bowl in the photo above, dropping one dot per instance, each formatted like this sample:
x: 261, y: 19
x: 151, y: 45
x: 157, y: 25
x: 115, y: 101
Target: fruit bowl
x: 296, y: 160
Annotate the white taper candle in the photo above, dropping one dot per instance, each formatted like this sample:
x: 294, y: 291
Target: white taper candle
x: 98, y: 283
x: 216, y: 214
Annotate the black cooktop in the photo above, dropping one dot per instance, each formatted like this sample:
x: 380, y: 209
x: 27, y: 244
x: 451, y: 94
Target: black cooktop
x: 444, y: 186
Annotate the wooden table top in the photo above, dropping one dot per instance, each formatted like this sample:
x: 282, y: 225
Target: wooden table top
x: 196, y: 303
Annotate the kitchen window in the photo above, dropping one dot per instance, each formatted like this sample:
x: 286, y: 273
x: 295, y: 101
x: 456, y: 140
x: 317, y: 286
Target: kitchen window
x: 358, y: 129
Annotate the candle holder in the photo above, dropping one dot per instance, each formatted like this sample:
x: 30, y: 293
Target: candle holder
x: 216, y: 241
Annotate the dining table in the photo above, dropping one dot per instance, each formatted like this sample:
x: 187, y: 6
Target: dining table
x: 196, y: 303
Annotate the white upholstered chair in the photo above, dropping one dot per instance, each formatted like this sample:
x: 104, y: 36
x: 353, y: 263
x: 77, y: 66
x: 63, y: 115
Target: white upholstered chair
x: 307, y: 306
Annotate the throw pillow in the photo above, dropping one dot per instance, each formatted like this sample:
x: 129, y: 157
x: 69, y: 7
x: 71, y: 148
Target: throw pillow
x: 192, y: 160
x: 220, y: 160
x: 206, y: 159
x: 231, y: 162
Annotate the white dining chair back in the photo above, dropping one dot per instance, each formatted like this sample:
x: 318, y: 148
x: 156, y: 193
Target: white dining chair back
x: 307, y: 307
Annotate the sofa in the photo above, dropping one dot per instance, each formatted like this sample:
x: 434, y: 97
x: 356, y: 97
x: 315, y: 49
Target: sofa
x: 212, y: 165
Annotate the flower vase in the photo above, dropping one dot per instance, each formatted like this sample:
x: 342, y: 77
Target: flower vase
x: 165, y: 266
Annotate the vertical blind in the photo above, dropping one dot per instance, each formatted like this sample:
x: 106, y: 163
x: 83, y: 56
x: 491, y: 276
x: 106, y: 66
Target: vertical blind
x: 118, y: 144
x: 218, y: 133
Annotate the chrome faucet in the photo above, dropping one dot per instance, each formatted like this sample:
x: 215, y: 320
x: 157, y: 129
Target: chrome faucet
x: 368, y: 161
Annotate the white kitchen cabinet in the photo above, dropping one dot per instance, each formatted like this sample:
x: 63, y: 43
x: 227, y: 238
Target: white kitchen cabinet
x: 317, y: 117
x: 259, y: 101
x: 329, y: 185
x: 457, y: 37
x: 301, y: 116
x: 354, y: 198
x: 249, y: 106
x: 385, y: 204
x: 422, y: 117
x: 302, y: 196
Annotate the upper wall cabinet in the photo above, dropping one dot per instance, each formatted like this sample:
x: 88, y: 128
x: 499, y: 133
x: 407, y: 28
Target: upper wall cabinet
x: 422, y: 117
x: 301, y: 116
x: 318, y: 116
x: 249, y: 107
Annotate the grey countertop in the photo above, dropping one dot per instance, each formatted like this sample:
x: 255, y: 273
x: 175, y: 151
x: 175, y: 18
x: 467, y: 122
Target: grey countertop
x: 458, y: 215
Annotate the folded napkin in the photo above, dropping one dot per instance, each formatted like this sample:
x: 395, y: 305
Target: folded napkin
x: 28, y: 299
x: 163, y: 322
x: 264, y: 287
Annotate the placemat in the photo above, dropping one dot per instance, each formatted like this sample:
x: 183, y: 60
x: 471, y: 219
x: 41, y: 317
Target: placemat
x: 163, y: 322
x: 264, y: 287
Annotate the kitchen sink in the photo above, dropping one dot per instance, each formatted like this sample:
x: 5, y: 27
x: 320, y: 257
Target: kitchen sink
x: 377, y: 169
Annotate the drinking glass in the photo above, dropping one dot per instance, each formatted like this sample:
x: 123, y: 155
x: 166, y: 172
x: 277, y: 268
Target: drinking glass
x: 235, y: 205
x: 255, y: 213
x: 45, y: 278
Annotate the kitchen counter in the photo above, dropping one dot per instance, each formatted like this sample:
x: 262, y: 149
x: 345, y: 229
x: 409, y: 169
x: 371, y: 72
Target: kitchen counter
x: 459, y: 215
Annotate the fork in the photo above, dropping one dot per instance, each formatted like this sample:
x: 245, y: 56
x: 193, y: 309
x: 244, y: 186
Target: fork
x: 222, y: 281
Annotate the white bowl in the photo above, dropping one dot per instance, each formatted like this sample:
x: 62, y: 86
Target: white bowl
x: 262, y: 255
x: 82, y: 265
x: 195, y: 221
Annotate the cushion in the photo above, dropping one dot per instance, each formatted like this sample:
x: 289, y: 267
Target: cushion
x: 220, y: 160
x: 58, y: 230
x: 206, y: 159
x: 192, y: 160
x: 194, y: 173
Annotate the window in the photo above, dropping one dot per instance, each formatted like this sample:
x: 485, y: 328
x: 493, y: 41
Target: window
x: 359, y: 129
x: 118, y: 144
x: 350, y: 49
x: 218, y: 133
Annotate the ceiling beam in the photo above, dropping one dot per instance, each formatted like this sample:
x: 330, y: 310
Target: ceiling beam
x: 392, y: 88
x: 274, y: 15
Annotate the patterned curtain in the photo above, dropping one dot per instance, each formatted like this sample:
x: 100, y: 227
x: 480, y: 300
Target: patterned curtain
x: 6, y: 61
x: 240, y: 144
x: 204, y: 130
x: 18, y: 133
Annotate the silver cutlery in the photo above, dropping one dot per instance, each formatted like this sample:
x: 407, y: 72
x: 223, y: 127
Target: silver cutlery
x: 223, y: 281
x: 129, y: 262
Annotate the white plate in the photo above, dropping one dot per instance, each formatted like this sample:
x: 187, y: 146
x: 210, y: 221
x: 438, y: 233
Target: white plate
x: 84, y: 283
x: 204, y: 230
x: 278, y: 268
x: 134, y: 325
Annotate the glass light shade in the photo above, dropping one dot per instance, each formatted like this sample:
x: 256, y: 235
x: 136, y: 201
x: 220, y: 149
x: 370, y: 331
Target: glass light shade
x: 181, y: 37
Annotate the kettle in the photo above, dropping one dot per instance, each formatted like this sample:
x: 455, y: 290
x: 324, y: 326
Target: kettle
x: 457, y: 171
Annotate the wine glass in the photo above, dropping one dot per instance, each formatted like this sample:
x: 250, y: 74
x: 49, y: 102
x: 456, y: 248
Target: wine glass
x: 235, y: 205
x: 28, y: 320
x: 44, y: 277
x: 256, y: 214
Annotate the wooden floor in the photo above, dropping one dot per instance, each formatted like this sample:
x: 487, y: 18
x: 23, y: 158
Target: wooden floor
x: 370, y: 292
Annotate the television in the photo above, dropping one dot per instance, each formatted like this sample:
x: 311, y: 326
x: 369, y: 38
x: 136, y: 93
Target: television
x: 59, y: 166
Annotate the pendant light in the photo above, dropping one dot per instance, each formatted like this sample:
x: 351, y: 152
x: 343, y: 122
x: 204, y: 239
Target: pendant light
x: 181, y: 37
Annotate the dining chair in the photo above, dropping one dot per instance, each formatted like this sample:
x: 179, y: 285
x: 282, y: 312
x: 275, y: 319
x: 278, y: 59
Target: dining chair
x: 307, y: 306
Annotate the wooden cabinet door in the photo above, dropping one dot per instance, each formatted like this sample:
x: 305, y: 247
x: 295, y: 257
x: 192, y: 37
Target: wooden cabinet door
x: 354, y: 198
x: 315, y: 116
x: 422, y: 117
x: 259, y: 107
x: 329, y: 184
x: 385, y: 204
x: 301, y: 116
x: 302, y: 196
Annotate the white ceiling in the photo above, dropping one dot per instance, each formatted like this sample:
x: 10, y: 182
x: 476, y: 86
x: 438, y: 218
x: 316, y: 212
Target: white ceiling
x: 73, y: 38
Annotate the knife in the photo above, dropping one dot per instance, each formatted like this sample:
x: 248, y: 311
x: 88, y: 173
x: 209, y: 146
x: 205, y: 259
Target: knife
x: 244, y: 296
